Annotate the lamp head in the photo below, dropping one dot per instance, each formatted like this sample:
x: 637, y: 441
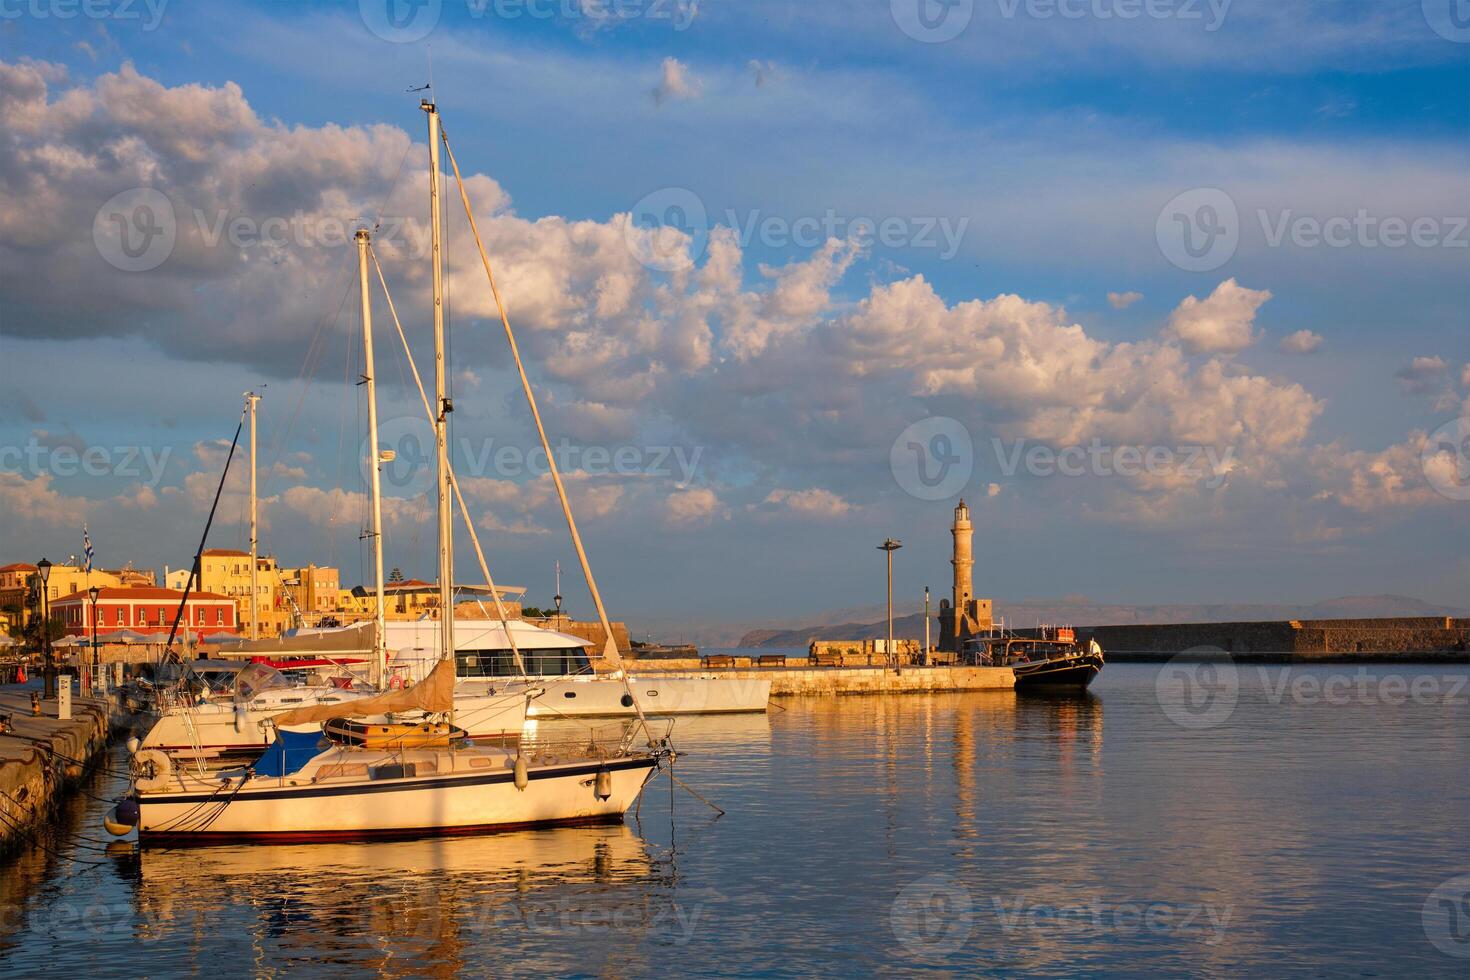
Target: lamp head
x: 43, y: 569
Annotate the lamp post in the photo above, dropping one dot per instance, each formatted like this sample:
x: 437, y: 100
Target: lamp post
x: 48, y: 669
x: 890, y: 546
x: 93, y: 674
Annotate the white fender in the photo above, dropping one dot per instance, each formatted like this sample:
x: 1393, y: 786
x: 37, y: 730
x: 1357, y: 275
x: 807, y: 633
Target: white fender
x: 152, y: 769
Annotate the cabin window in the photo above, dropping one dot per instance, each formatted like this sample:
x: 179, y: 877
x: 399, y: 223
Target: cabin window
x: 501, y: 663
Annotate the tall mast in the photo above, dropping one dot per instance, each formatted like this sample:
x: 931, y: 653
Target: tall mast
x: 443, y: 406
x: 380, y: 650
x: 251, y: 399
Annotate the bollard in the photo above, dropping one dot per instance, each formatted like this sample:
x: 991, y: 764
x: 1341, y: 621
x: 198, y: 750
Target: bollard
x: 35, y: 703
x: 63, y: 697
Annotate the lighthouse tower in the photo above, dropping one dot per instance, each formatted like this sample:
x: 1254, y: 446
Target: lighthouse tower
x: 963, y: 616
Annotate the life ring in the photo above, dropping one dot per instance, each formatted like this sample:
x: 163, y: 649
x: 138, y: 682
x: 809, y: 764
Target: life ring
x: 152, y: 769
x: 395, y: 682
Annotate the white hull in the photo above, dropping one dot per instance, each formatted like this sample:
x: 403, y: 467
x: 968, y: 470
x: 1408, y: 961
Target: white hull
x: 467, y: 800
x: 219, y: 727
x: 481, y: 708
x: 579, y: 697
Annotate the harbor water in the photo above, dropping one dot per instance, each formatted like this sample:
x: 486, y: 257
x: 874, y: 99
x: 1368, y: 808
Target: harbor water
x: 1211, y: 819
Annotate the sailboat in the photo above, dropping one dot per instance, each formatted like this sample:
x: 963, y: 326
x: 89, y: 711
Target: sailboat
x: 310, y: 785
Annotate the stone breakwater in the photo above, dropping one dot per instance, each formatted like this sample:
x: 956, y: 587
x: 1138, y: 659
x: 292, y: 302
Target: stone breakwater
x: 1424, y: 639
x: 41, y: 756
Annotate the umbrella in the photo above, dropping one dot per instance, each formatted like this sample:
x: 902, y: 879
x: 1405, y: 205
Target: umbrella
x: 122, y: 636
x: 67, y: 641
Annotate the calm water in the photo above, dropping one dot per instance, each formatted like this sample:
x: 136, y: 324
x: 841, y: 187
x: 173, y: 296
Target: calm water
x: 1262, y: 821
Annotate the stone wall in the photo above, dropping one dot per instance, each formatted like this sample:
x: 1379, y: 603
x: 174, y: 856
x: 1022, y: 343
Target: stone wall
x: 1432, y: 637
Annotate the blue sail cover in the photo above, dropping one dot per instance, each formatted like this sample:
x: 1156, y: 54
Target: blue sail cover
x: 288, y: 753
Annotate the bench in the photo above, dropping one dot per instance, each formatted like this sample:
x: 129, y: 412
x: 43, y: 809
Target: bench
x: 826, y: 660
x: 770, y: 660
x: 720, y: 661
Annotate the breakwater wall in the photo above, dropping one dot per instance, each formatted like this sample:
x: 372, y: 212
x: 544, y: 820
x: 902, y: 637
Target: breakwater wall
x: 1428, y: 639
x: 41, y: 756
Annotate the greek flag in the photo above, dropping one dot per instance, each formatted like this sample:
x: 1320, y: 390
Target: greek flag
x: 86, y: 550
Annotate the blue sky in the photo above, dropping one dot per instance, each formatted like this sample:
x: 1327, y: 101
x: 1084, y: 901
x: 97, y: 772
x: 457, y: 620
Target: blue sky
x: 1049, y: 141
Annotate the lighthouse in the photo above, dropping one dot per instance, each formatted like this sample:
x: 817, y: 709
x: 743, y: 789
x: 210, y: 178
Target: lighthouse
x: 962, y: 616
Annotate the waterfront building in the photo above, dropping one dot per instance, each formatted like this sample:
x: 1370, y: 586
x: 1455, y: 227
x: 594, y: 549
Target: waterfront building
x: 145, y: 609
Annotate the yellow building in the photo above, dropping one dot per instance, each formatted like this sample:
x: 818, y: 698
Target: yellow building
x: 226, y: 572
x: 315, y: 589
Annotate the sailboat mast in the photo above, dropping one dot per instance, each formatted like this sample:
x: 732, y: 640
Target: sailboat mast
x: 251, y: 400
x: 443, y: 406
x: 380, y: 652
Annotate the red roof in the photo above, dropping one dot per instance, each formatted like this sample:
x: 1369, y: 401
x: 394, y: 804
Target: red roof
x: 226, y: 552
x: 411, y: 583
x: 142, y: 593
x: 19, y: 566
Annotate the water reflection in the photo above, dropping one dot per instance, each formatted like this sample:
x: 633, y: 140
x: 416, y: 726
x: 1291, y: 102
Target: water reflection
x: 985, y: 833
x: 407, y: 905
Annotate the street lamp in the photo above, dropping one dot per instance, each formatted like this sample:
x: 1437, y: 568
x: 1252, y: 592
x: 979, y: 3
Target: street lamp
x: 48, y: 669
x: 93, y: 592
x: 890, y: 546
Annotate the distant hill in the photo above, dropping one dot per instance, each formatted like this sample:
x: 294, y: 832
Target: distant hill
x: 1084, y: 612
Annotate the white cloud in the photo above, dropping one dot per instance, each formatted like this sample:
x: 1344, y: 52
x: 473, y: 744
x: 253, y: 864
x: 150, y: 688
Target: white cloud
x: 1222, y: 322
x: 814, y: 503
x: 1121, y: 301
x: 692, y: 506
x: 676, y: 81
x: 1301, y: 342
x: 1423, y: 374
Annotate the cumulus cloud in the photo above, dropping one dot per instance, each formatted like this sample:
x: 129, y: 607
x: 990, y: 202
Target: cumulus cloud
x: 675, y: 81
x: 1301, y: 342
x: 1423, y: 374
x: 789, y: 370
x: 814, y: 503
x: 692, y: 506
x: 1222, y: 322
x: 1121, y: 301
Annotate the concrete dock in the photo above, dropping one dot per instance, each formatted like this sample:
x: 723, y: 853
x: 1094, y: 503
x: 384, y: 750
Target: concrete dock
x: 807, y: 681
x: 41, y: 755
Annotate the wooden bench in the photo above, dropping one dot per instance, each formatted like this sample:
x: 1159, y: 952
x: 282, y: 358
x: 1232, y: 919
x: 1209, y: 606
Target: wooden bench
x: 721, y: 661
x: 770, y: 660
x: 826, y: 660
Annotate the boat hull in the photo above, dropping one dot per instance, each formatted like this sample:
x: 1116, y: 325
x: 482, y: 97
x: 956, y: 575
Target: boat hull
x: 471, y: 802
x: 220, y: 728
x: 658, y: 696
x: 482, y: 709
x: 1065, y: 674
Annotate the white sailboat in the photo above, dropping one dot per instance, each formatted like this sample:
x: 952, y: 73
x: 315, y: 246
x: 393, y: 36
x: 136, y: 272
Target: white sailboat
x: 412, y: 778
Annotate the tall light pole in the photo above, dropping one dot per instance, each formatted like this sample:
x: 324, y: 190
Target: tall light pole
x: 48, y: 669
x: 926, y: 625
x: 92, y: 674
x: 890, y: 546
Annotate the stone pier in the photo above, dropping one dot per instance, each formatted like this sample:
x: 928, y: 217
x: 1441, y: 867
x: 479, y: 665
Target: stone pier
x: 41, y: 755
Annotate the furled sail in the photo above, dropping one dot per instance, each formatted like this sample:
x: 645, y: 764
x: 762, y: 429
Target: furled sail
x: 433, y: 693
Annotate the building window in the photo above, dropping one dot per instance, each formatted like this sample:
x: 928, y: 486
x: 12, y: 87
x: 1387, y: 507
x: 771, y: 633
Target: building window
x: 219, y: 618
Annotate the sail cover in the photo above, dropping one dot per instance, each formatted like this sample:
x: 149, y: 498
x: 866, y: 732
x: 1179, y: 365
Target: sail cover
x: 433, y: 693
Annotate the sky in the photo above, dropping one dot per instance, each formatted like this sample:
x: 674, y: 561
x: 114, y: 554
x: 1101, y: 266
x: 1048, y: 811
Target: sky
x: 1173, y: 292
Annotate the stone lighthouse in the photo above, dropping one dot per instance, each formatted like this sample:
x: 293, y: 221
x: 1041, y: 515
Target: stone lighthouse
x: 963, y: 616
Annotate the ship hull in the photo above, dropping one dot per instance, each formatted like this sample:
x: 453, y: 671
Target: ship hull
x: 467, y: 802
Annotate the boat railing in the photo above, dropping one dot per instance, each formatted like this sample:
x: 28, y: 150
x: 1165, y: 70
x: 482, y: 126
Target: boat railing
x: 597, y: 743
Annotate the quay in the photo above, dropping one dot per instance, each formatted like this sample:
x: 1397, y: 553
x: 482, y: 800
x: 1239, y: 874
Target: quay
x: 814, y: 681
x: 41, y: 756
